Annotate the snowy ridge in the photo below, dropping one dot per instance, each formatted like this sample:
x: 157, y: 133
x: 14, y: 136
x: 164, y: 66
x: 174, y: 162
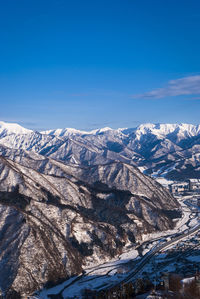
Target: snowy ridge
x: 162, y: 130
x: 12, y: 128
x: 70, y: 131
x: 171, y: 150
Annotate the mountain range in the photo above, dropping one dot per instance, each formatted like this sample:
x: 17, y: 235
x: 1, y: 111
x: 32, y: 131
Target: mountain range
x: 57, y: 218
x: 70, y: 199
x: 160, y: 150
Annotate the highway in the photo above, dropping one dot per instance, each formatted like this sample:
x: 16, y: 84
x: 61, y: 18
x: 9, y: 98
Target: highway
x: 133, y: 274
x: 156, y: 249
x: 139, y: 266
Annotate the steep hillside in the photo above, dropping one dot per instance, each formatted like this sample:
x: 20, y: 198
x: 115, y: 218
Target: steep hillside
x: 56, y: 218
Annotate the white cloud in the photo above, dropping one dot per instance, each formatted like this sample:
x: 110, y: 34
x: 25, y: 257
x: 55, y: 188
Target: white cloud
x: 184, y: 86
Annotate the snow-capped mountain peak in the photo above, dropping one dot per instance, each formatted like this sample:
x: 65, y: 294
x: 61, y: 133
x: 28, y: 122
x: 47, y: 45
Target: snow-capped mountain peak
x: 162, y: 130
x: 149, y: 145
x: 70, y: 131
x: 102, y: 130
x: 12, y: 128
x: 64, y: 132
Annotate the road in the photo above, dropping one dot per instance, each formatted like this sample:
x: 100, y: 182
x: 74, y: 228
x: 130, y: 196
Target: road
x: 146, y: 258
x: 81, y: 280
x: 156, y: 249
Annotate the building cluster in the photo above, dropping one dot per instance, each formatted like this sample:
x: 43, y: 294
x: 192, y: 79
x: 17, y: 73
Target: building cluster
x: 192, y: 185
x: 171, y: 286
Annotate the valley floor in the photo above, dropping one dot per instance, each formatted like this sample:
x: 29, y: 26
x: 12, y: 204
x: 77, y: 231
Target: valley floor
x: 176, y: 250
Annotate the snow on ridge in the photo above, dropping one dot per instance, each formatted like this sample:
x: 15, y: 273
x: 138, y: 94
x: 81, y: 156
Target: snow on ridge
x: 162, y: 130
x: 13, y: 128
x: 71, y: 131
x: 64, y: 132
x: 101, y: 130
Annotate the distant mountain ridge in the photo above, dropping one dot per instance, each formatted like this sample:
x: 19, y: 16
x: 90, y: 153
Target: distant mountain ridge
x: 158, y: 129
x: 12, y: 128
x: 169, y: 150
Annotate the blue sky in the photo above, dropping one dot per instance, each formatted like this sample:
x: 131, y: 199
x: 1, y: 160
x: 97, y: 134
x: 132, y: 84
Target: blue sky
x: 89, y: 64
